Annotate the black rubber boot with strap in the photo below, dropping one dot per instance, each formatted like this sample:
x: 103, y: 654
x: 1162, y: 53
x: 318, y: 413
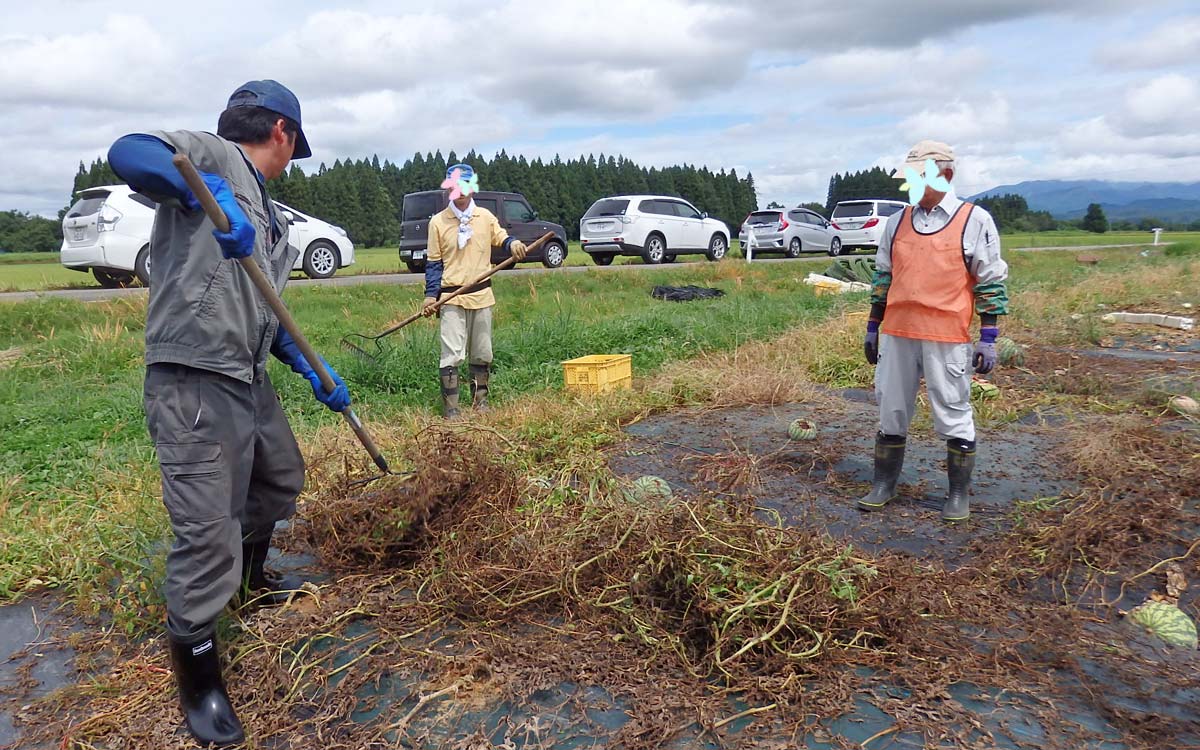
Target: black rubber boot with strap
x: 262, y: 587
x: 480, y: 374
x: 449, y: 381
x: 889, y: 460
x: 202, y: 695
x: 960, y: 464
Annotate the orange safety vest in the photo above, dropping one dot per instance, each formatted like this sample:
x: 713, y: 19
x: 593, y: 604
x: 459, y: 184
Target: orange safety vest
x: 932, y: 293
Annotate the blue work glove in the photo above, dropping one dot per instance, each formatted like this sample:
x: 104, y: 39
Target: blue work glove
x: 287, y: 352
x: 871, y: 342
x: 238, y: 242
x: 985, y: 350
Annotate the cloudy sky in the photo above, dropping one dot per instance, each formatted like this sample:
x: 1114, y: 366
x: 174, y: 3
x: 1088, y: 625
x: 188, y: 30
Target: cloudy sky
x: 792, y: 90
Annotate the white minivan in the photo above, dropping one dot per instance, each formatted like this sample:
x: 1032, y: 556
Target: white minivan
x: 107, y: 231
x: 860, y: 223
x: 655, y: 228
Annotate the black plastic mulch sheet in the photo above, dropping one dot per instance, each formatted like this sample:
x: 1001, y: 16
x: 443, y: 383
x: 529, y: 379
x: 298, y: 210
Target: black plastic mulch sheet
x: 685, y: 293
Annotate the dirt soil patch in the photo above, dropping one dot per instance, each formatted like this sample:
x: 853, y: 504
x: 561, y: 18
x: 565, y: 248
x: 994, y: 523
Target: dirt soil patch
x: 746, y: 454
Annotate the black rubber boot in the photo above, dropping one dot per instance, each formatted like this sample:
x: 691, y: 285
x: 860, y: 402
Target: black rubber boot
x: 479, y: 386
x: 262, y: 587
x: 889, y: 460
x: 960, y: 463
x: 210, y: 716
x: 449, y: 377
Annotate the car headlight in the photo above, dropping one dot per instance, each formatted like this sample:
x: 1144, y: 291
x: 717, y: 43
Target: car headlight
x: 340, y: 231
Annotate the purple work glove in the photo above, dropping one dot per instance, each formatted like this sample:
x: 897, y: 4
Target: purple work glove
x: 871, y: 342
x: 985, y: 350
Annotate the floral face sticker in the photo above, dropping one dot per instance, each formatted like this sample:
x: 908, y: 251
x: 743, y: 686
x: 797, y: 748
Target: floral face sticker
x: 461, y: 180
x: 915, y: 183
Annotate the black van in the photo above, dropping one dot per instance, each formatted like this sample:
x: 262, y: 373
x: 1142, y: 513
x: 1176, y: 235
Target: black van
x: 513, y: 211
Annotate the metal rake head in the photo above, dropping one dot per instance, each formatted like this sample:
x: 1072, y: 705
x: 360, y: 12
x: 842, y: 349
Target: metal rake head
x: 360, y: 346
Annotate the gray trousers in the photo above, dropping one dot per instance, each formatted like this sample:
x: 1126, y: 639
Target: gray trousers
x: 230, y: 468
x: 466, y: 333
x: 947, y: 370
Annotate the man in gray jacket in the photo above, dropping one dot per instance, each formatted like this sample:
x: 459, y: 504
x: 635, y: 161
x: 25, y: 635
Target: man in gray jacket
x: 230, y: 464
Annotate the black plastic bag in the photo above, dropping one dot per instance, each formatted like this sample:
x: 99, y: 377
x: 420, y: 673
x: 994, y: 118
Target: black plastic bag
x: 685, y: 293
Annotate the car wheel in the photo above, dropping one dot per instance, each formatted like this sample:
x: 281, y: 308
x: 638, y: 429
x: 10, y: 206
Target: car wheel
x: 320, y: 260
x: 717, y: 247
x: 655, y: 249
x: 793, y: 249
x: 555, y: 255
x: 414, y: 266
x: 603, y: 260
x: 141, y: 266
x: 669, y: 258
x: 112, y: 279
x: 835, y: 247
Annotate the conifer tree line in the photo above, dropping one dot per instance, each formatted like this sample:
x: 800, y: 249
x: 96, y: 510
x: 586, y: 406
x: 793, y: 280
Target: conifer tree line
x: 364, y: 197
x: 875, y: 182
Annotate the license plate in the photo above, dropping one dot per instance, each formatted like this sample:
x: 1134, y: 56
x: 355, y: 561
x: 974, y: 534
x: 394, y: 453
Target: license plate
x: 78, y: 232
x: 854, y: 225
x: 418, y: 255
x: 603, y: 226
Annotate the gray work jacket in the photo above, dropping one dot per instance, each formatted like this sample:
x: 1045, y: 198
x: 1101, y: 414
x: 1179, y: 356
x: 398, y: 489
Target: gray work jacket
x: 204, y: 311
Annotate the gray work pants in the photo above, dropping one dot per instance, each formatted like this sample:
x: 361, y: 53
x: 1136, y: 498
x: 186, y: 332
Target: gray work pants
x: 466, y: 333
x: 230, y: 468
x: 947, y: 370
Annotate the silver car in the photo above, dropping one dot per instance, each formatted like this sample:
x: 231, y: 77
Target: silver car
x: 790, y: 232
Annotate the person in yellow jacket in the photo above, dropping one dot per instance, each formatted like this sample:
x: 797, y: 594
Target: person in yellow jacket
x: 461, y: 239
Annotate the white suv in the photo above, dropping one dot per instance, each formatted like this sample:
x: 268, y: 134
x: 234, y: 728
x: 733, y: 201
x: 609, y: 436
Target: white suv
x: 654, y: 227
x: 860, y: 223
x: 108, y: 230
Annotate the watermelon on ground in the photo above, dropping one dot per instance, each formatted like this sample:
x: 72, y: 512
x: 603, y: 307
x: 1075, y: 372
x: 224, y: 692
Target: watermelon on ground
x: 1166, y: 622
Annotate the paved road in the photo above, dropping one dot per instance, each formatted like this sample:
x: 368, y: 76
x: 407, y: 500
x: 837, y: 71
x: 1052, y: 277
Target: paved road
x: 92, y: 295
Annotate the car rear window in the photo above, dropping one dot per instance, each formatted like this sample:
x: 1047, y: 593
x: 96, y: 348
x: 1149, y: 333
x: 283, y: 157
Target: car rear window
x: 887, y: 209
x: 88, y: 205
x: 764, y: 217
x: 846, y: 210
x: 607, y: 207
x: 418, y: 206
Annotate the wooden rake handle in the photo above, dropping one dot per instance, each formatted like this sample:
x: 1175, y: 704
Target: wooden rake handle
x: 196, y: 184
x: 465, y: 288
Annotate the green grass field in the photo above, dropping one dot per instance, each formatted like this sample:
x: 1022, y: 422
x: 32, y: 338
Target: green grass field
x: 41, y: 271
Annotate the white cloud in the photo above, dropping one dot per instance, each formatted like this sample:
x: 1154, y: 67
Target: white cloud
x: 1165, y: 104
x: 793, y: 90
x: 960, y: 122
x: 1174, y: 42
x: 117, y: 65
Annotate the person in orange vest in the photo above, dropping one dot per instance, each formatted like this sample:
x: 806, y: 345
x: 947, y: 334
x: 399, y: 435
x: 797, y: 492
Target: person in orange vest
x: 937, y: 266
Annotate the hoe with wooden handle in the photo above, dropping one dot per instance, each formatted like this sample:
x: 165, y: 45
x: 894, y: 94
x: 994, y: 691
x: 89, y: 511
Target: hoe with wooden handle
x: 218, y: 218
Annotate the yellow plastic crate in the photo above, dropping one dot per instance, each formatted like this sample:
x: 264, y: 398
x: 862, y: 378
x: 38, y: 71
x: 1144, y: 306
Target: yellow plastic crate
x: 598, y: 373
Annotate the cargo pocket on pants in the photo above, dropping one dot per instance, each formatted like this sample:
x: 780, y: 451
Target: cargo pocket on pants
x: 196, y: 485
x: 959, y: 382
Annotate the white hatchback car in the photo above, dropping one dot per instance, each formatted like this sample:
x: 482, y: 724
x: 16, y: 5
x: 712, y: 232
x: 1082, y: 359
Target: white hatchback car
x: 654, y: 227
x: 107, y: 231
x: 861, y: 222
x: 799, y: 231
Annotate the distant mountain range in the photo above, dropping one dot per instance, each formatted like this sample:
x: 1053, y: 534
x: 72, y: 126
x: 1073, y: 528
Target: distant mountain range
x: 1069, y: 199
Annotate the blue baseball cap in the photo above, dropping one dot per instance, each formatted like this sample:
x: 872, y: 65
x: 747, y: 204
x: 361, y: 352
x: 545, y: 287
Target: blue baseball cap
x: 276, y: 97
